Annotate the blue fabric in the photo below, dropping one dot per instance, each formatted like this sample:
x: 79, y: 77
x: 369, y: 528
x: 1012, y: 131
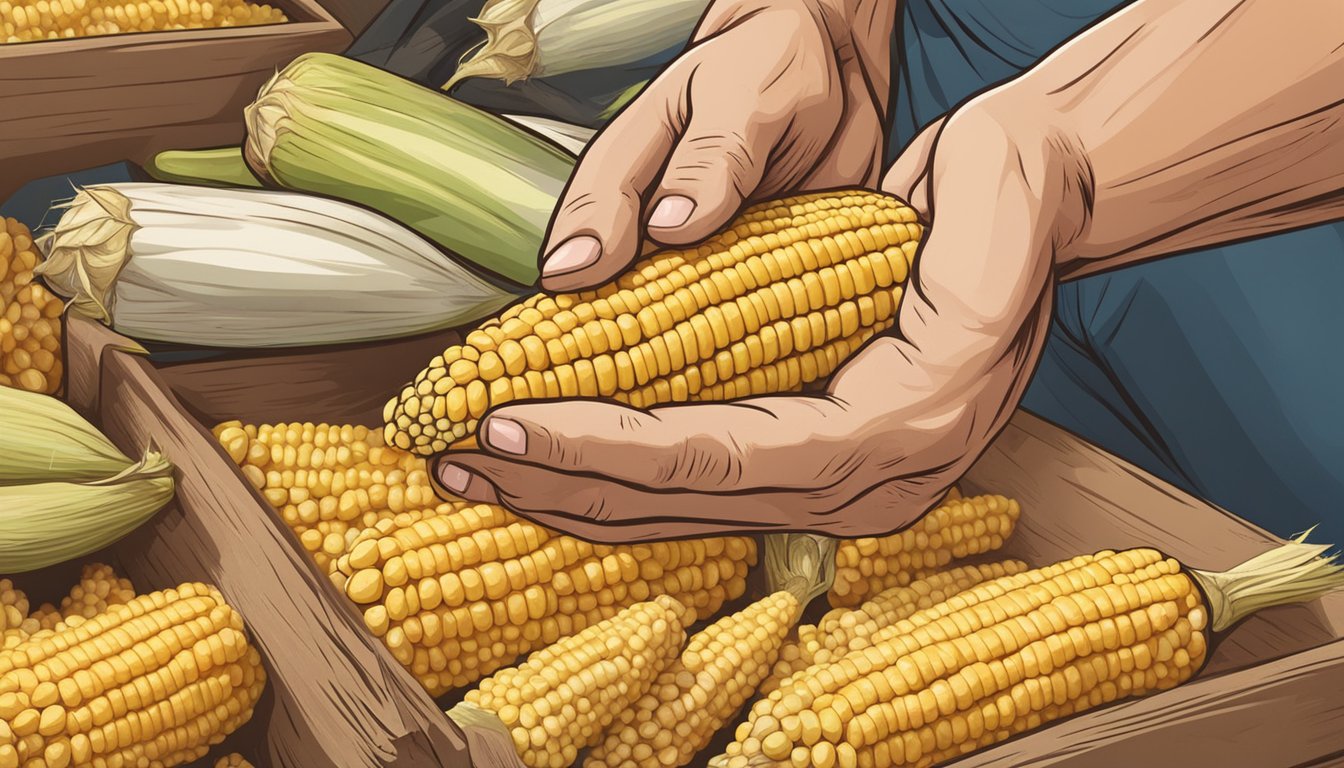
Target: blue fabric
x: 1216, y: 370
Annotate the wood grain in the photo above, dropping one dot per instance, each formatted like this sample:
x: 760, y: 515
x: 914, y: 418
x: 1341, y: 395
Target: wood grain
x: 340, y: 700
x: 85, y: 102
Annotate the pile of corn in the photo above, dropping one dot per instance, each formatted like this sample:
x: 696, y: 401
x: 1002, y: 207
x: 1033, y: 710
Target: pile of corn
x: 69, y: 698
x: 456, y: 590
x: 23, y: 21
x: 30, y: 315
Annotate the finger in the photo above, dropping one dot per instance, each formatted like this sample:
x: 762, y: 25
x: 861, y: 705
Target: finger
x: 717, y: 164
x: 595, y: 232
x: 907, y: 178
x: 764, y: 442
x: 586, y: 502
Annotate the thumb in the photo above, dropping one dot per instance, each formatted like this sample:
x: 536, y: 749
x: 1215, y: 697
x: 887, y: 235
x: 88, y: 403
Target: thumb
x: 908, y: 177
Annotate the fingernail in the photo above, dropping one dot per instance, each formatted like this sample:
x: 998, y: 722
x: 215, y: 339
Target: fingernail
x: 672, y: 211
x: 454, y: 478
x: 505, y: 435
x: 574, y: 253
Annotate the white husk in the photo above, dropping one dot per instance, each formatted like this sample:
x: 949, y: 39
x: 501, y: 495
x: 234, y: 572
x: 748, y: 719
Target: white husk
x: 1295, y: 572
x: 565, y: 135
x: 247, y: 268
x: 543, y: 38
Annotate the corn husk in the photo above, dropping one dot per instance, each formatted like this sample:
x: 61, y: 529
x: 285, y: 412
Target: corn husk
x: 1295, y: 572
x: 469, y: 181
x: 567, y: 135
x: 65, y: 490
x: 544, y: 38
x: 43, y: 439
x: 223, y: 167
x: 42, y: 524
x: 246, y: 268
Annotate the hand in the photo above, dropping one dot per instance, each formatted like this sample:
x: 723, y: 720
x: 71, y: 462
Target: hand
x: 771, y: 97
x: 896, y: 426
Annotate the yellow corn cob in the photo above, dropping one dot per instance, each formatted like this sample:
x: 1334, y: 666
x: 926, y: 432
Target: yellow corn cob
x: 956, y: 529
x: 843, y: 628
x: 776, y: 301
x: 153, y: 682
x: 697, y: 694
x: 330, y: 483
x: 1013, y: 653
x: 457, y: 596
x: 721, y: 666
x: 25, y: 22
x: 233, y: 760
x: 30, y: 316
x: 562, y: 697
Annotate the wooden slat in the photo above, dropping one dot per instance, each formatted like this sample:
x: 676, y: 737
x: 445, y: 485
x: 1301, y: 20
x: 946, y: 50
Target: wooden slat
x: 1280, y: 714
x: 340, y: 699
x: 84, y: 102
x: 1078, y: 498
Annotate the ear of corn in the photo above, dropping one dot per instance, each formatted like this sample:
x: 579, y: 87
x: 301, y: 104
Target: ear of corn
x: 233, y: 760
x: 544, y: 38
x: 1013, y: 653
x: 956, y: 529
x: 30, y: 317
x: 181, y: 264
x: 467, y: 180
x: 457, y: 596
x: 776, y: 301
x: 457, y: 590
x: 65, y: 490
x: 844, y: 628
x: 46, y: 523
x: 721, y: 666
x: 26, y: 22
x: 155, y: 681
x: 561, y: 699
x: 43, y: 439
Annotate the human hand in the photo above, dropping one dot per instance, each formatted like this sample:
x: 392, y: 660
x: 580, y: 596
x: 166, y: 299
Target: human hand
x: 771, y: 98
x: 901, y: 421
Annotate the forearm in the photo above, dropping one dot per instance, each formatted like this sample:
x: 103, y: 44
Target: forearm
x: 1198, y: 123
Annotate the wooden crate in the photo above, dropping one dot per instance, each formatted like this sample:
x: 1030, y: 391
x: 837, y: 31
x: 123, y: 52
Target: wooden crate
x: 84, y: 102
x: 1269, y: 695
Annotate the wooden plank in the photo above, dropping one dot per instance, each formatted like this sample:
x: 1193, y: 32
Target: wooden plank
x: 339, y: 697
x: 1280, y: 714
x: 345, y: 385
x: 85, y: 102
x: 1078, y: 498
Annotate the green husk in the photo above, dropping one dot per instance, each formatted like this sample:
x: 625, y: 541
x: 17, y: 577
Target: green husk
x: 42, y: 440
x: 42, y: 524
x: 470, y: 182
x: 223, y: 167
x: 1295, y: 572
